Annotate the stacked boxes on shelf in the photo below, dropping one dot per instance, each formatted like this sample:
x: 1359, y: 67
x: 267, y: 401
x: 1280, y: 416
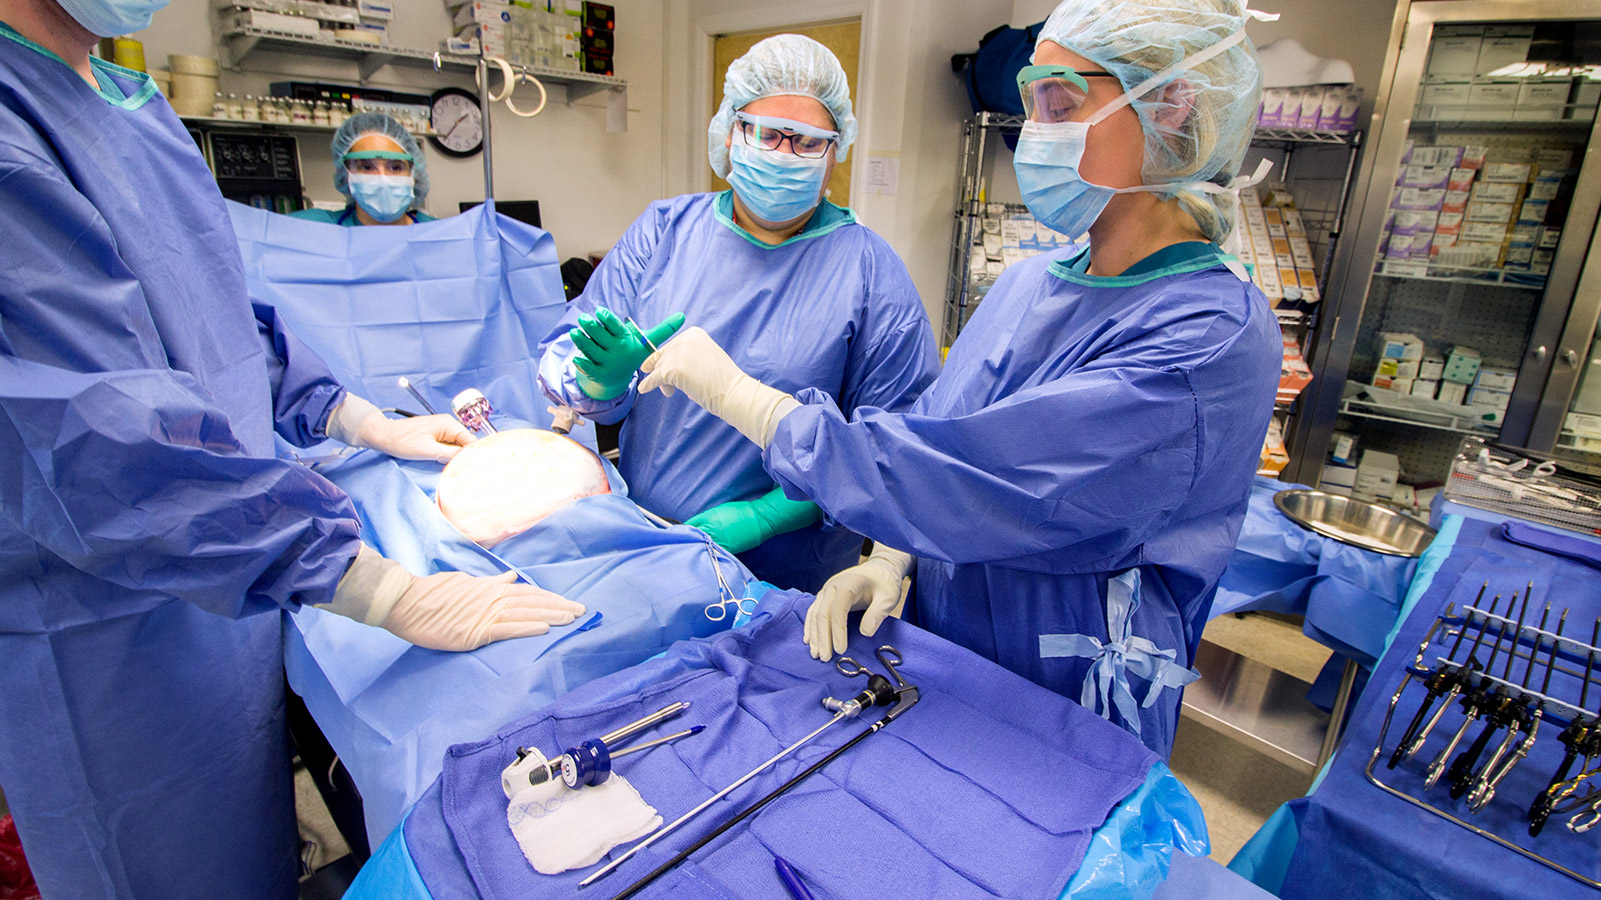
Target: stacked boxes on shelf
x: 1482, y: 72
x: 523, y: 32
x: 598, y: 39
x: 357, y: 21
x: 1294, y: 374
x: 1274, y: 247
x: 1466, y: 207
x: 1318, y: 107
x: 1450, y: 382
x: 1007, y: 234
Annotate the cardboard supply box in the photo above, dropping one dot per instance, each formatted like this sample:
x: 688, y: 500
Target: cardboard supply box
x: 1503, y: 45
x: 1455, y: 50
x: 1494, y: 100
x: 1461, y: 366
x: 1376, y: 475
x: 1452, y: 392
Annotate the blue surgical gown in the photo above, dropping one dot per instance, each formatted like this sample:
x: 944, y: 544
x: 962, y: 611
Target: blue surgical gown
x: 832, y: 308
x: 347, y: 216
x: 149, y: 537
x: 1082, y: 427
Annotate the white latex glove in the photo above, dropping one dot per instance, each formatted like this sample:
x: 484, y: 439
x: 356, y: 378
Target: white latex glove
x: 693, y: 363
x: 360, y: 424
x: 448, y: 611
x: 875, y: 586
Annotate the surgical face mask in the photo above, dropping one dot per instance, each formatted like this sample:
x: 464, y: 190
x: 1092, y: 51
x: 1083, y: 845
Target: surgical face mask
x: 110, y: 18
x: 775, y: 187
x: 384, y: 197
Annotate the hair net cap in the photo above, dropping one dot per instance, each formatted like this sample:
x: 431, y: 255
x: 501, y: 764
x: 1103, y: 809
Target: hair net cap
x: 1136, y: 40
x: 362, y: 124
x: 782, y: 65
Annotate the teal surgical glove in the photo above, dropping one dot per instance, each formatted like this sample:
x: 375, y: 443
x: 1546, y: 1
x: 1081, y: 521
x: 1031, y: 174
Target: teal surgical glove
x: 612, y: 351
x: 740, y: 525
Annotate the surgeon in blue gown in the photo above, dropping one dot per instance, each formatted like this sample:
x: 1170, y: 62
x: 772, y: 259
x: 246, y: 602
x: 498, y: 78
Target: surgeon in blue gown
x: 148, y: 535
x: 801, y: 293
x: 1071, y: 486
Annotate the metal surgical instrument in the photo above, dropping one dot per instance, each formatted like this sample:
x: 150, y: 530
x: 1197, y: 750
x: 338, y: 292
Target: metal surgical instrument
x: 1499, y: 709
x: 1530, y: 712
x: 1579, y: 738
x: 549, y: 770
x: 1445, y: 680
x: 406, y: 383
x: 1472, y: 699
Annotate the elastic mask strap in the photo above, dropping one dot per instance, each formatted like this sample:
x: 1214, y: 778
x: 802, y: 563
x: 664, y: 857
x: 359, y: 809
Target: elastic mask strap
x: 1235, y: 184
x: 1178, y: 68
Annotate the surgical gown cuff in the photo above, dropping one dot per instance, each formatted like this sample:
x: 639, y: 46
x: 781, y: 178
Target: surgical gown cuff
x: 370, y: 588
x: 558, y: 378
x: 344, y: 423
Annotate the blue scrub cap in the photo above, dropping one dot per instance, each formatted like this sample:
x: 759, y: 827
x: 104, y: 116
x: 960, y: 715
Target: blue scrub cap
x: 362, y: 124
x: 782, y: 65
x: 1136, y: 40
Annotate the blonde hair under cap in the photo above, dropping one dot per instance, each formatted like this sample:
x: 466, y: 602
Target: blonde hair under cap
x: 1136, y: 40
x: 782, y: 65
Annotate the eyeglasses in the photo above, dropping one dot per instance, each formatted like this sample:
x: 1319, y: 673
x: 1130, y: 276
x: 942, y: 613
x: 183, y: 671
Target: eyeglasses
x: 767, y: 137
x: 1054, y: 93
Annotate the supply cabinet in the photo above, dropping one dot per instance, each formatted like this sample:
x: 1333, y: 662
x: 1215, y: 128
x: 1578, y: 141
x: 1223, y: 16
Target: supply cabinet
x: 1465, y: 300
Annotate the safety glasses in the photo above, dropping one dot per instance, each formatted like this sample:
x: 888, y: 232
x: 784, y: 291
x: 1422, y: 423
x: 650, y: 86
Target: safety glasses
x: 768, y: 133
x: 378, y: 162
x: 1054, y: 93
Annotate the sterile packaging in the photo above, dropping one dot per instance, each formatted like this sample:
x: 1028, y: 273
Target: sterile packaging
x: 1497, y: 192
x: 1503, y: 45
x: 460, y: 46
x: 1581, y: 423
x: 1473, y: 255
x: 1545, y: 187
x: 1272, y: 108
x: 1350, y: 102
x: 1542, y: 99
x: 1455, y: 202
x: 1377, y: 474
x: 270, y: 21
x: 1486, y: 211
x: 1407, y: 368
x: 1461, y: 179
x: 1402, y: 385
x: 1455, y: 49
x: 1448, y: 224
x: 1311, y: 108
x: 1444, y: 100
x: 1293, y: 225
x: 1431, y: 368
x: 1421, y: 198
x: 1517, y: 256
x: 1406, y: 151
x: 1533, y: 212
x: 1422, y: 244
x: 1425, y: 388
x: 1548, y: 238
x: 1274, y: 457
x: 1338, y: 475
x: 1342, y: 450
x: 1473, y: 157
x: 1483, y: 231
x: 1540, y: 261
x: 376, y: 9
x: 1461, y: 366
x: 1492, y: 378
x: 1404, y: 496
x: 1511, y: 173
x: 1490, y: 399
x: 1435, y: 157
x: 1328, y: 117
x: 1493, y: 100
x: 1586, y: 97
x: 1290, y: 108
x: 1300, y: 252
x: 1308, y: 282
x: 1425, y: 176
x: 1400, y: 345
x: 1452, y: 392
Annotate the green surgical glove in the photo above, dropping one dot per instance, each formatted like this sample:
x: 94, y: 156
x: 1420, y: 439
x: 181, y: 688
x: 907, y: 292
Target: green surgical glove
x: 612, y: 351
x: 740, y: 525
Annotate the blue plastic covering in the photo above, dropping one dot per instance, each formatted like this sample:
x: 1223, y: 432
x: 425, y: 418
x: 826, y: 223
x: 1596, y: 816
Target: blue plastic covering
x: 450, y: 304
x: 147, y: 535
x: 941, y: 824
x: 1350, y: 597
x: 1129, y: 854
x: 1082, y: 426
x: 1348, y: 832
x: 831, y: 308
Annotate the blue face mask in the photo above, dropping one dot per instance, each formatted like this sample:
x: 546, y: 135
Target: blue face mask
x: 1047, y: 162
x: 776, y: 187
x: 384, y: 197
x: 110, y: 18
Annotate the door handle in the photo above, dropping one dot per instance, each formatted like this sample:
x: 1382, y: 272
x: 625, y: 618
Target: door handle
x: 1570, y: 356
x: 1539, y: 354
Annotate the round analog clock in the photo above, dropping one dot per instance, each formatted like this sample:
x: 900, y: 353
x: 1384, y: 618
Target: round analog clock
x: 457, y: 122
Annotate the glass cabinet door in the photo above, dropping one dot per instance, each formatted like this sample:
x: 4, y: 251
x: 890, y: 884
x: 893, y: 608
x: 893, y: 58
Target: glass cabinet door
x: 1469, y: 244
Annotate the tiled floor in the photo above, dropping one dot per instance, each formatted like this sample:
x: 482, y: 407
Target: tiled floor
x: 1238, y: 788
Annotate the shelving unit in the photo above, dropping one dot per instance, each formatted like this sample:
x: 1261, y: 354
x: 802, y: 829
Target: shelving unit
x: 247, y: 125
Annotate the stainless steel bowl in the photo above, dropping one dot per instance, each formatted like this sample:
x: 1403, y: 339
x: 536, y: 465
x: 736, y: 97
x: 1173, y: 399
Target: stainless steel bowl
x: 1356, y: 522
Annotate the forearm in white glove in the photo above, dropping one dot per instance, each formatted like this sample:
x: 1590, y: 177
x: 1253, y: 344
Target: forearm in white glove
x: 360, y: 424
x: 693, y: 363
x: 447, y: 611
x: 875, y: 586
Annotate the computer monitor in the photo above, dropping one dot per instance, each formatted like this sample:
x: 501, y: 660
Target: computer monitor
x: 521, y: 210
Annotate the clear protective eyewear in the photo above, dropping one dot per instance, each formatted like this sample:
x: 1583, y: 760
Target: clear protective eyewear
x: 769, y: 133
x: 378, y: 162
x: 1054, y: 93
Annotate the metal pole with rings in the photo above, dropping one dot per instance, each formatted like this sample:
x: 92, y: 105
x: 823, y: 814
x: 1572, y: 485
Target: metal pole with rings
x: 510, y: 78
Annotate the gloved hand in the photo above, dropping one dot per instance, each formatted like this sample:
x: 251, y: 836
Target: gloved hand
x: 739, y: 525
x: 360, y: 424
x: 612, y: 351
x: 694, y: 364
x: 875, y: 586
x: 447, y: 611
